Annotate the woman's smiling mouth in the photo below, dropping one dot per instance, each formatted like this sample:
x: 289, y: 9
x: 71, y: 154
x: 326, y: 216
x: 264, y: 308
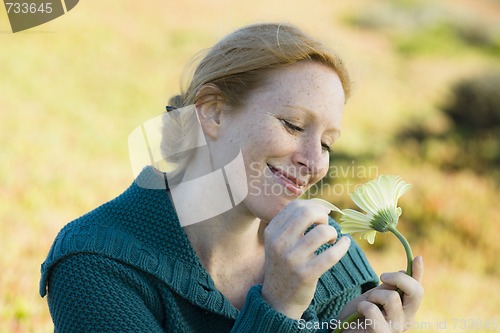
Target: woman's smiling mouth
x: 294, y: 185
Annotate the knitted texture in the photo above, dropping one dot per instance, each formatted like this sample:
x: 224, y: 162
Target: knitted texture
x: 128, y: 266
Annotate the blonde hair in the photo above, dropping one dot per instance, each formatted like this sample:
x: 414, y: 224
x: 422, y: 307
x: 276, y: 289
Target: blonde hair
x: 243, y: 60
x: 236, y: 65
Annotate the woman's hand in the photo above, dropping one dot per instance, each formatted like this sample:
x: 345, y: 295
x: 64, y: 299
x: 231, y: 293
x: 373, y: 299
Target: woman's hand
x: 292, y: 269
x: 383, y: 308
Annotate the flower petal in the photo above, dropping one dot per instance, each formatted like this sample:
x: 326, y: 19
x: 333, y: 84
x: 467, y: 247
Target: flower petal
x: 362, y: 202
x: 349, y: 229
x: 386, y: 185
x: 351, y: 215
x: 401, y: 188
x: 353, y: 222
x: 328, y: 205
x: 370, y: 236
x: 399, y: 211
x: 373, y: 193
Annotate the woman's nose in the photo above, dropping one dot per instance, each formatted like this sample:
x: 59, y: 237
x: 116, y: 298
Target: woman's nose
x: 312, y: 156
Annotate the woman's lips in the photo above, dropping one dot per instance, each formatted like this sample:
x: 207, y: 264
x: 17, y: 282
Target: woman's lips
x: 293, y: 185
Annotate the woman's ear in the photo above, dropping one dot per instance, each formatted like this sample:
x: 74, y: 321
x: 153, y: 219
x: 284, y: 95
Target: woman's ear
x: 209, y: 106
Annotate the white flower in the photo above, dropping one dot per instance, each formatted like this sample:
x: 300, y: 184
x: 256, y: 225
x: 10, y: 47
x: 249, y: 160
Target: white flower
x: 378, y: 198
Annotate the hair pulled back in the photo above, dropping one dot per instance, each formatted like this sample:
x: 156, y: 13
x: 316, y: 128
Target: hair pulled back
x: 243, y: 59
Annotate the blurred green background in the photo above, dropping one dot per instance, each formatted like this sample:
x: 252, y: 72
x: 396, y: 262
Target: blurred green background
x: 426, y: 107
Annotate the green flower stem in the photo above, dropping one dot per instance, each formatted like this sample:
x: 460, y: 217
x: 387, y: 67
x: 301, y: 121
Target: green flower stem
x: 409, y: 271
x: 409, y: 253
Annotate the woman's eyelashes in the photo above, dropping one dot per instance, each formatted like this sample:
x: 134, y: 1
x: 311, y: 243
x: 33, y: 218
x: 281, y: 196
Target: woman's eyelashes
x: 294, y: 129
x: 326, y: 148
x: 291, y: 127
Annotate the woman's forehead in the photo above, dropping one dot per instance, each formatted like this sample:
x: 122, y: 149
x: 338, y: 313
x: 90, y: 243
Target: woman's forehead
x: 302, y: 86
x: 306, y: 76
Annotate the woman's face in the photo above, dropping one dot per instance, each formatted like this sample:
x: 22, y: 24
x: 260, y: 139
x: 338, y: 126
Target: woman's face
x: 285, y: 131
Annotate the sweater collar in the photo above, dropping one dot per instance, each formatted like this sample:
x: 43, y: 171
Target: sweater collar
x: 140, y: 228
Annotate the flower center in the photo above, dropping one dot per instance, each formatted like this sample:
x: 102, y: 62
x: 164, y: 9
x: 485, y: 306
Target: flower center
x: 383, y: 219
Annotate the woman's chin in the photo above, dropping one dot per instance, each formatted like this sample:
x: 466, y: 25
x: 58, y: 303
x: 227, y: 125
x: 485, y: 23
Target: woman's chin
x: 265, y: 208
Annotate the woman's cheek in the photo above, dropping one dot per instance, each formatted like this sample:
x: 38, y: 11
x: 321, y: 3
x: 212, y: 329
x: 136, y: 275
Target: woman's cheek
x: 324, y: 170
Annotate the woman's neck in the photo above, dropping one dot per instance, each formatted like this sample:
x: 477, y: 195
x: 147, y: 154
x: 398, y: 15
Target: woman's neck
x: 227, y: 239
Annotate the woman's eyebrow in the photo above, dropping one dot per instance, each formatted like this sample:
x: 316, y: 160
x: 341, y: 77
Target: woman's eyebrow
x: 302, y: 109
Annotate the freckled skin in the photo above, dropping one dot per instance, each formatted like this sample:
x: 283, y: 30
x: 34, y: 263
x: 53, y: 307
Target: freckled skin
x: 308, y: 94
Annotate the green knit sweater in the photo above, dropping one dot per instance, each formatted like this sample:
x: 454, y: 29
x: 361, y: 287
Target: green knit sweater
x: 128, y: 266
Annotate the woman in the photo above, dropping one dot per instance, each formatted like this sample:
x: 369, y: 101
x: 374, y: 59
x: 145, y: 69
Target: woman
x: 271, y: 263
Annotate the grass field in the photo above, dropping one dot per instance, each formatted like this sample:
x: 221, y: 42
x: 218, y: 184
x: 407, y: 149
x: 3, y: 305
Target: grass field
x: 73, y: 89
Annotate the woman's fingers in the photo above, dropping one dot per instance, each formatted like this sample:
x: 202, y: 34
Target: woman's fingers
x: 321, y: 234
x: 293, y: 220
x: 383, y: 306
x: 390, y: 301
x: 418, y: 268
x: 374, y: 318
x: 326, y: 259
x: 291, y: 268
x: 412, y: 289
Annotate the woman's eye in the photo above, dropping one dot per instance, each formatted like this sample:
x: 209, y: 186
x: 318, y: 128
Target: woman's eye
x: 291, y: 127
x: 297, y: 129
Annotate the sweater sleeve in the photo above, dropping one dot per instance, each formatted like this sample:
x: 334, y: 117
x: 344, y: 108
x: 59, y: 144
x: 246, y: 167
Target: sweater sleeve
x: 258, y: 316
x: 92, y: 293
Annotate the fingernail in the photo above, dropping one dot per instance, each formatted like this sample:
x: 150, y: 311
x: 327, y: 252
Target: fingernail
x: 346, y: 239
